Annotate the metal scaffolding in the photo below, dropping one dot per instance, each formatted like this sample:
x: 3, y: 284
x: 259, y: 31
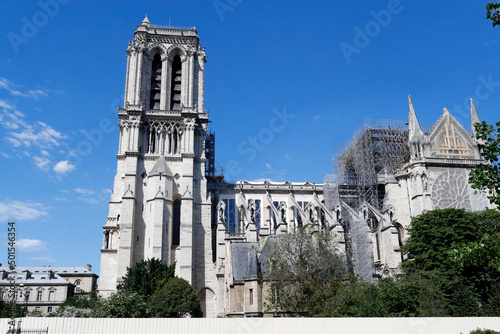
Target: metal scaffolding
x: 378, y: 147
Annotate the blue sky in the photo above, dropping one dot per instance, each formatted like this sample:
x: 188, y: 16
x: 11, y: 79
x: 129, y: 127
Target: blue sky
x: 327, y: 65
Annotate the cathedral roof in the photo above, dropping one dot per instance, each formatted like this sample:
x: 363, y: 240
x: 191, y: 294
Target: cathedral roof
x: 244, y: 259
x: 160, y: 166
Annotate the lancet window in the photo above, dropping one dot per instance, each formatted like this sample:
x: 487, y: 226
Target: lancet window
x: 176, y: 226
x: 175, y: 87
x: 154, y: 101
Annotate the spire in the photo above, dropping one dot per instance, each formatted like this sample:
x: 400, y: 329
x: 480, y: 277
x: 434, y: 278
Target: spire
x: 413, y: 125
x: 445, y: 111
x: 146, y: 21
x: 474, y: 117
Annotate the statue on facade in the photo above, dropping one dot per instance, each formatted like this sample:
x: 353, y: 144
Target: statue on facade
x: 252, y: 207
x: 221, y: 209
x: 282, y: 210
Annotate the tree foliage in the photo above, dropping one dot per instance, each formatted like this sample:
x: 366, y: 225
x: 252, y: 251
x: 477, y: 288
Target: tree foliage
x: 149, y: 289
x: 436, y: 241
x: 5, y: 310
x: 493, y: 12
x: 122, y: 304
x: 487, y: 176
x: 175, y: 298
x: 79, y: 306
x: 305, y: 271
x: 484, y: 331
x: 145, y: 276
x: 405, y: 296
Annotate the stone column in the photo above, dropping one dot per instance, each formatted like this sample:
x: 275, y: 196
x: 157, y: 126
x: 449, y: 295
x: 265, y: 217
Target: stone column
x: 138, y: 86
x: 191, y: 79
x: 131, y: 77
x: 121, y: 138
x: 163, y: 98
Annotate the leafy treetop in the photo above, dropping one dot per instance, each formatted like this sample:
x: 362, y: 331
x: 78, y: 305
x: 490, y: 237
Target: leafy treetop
x: 145, y: 276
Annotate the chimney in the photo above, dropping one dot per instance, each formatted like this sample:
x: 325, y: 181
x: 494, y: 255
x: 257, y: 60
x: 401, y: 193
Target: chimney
x: 51, y: 274
x: 89, y: 267
x: 27, y: 274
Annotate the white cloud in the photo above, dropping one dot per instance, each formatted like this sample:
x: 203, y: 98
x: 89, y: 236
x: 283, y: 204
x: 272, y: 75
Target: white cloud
x: 18, y: 210
x: 42, y: 163
x: 6, y: 105
x: 107, y: 191
x: 260, y: 180
x: 6, y: 155
x: 40, y: 135
x: 84, y: 191
x: 60, y: 199
x: 317, y: 117
x: 30, y: 245
x: 268, y: 166
x: 91, y: 196
x: 12, y: 89
x: 63, y: 167
x: 42, y: 259
x: 90, y: 200
x: 36, y: 94
x: 6, y: 84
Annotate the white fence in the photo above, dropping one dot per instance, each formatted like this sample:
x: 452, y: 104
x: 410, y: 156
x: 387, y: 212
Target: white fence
x: 258, y: 325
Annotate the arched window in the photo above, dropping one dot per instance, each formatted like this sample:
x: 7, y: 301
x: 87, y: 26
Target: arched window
x: 401, y: 237
x: 175, y: 87
x: 154, y: 101
x: 176, y: 224
x: 77, y: 284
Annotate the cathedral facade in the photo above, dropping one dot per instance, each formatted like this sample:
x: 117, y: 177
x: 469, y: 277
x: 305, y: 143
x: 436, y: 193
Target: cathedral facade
x: 165, y: 205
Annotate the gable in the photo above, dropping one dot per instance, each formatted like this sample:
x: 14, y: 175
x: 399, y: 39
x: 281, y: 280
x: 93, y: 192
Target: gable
x: 449, y: 139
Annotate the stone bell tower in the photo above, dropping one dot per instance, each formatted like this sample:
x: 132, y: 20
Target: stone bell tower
x: 159, y: 206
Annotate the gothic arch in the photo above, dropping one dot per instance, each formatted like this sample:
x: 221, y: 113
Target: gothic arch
x: 203, y: 289
x: 155, y: 48
x: 174, y: 50
x: 401, y: 233
x: 207, y: 298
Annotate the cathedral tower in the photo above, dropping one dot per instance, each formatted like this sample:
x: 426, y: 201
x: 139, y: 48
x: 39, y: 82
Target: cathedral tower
x: 159, y: 206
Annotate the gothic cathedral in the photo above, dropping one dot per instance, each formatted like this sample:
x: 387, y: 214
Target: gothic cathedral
x: 168, y: 204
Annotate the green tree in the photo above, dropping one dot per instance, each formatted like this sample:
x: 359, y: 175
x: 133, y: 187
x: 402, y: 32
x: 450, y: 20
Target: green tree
x: 484, y: 331
x: 79, y: 306
x: 486, y: 177
x: 493, y: 12
x: 122, y: 304
x: 405, y: 296
x: 175, y: 298
x: 145, y: 276
x: 306, y: 272
x: 5, y: 310
x: 433, y: 240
